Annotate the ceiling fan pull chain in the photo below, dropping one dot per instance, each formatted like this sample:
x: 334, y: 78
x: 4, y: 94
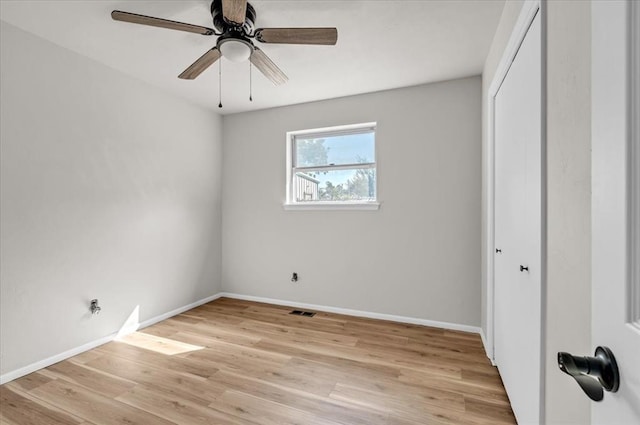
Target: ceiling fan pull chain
x: 220, y: 83
x: 250, y: 84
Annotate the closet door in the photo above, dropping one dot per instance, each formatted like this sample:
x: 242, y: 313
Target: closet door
x: 517, y: 321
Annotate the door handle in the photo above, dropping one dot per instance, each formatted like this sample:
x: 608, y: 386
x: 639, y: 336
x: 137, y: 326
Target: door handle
x: 593, y: 374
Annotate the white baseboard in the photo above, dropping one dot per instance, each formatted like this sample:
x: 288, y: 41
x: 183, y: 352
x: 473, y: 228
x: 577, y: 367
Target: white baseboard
x: 179, y: 310
x: 357, y: 313
x: 18, y: 373
x: 15, y: 374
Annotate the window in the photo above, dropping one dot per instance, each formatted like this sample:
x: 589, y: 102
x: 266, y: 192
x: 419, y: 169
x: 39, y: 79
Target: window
x: 332, y: 167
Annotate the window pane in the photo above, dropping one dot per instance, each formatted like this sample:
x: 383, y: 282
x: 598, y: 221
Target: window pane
x: 337, y: 185
x: 335, y: 150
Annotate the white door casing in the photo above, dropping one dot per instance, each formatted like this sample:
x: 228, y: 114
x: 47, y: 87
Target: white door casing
x: 518, y: 228
x: 616, y: 201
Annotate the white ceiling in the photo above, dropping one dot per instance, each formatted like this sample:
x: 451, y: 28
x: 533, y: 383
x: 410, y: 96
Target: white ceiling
x: 381, y: 45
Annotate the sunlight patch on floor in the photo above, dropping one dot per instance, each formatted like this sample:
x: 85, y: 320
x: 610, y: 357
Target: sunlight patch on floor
x: 158, y: 344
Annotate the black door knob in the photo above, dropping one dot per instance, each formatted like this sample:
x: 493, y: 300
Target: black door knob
x: 593, y: 374
x: 523, y: 268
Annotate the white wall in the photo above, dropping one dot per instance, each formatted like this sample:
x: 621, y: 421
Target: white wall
x: 568, y: 204
x: 110, y: 189
x: 417, y: 256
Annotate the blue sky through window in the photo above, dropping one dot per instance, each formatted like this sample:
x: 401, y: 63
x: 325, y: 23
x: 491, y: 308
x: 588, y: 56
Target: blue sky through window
x: 345, y: 149
x: 351, y: 148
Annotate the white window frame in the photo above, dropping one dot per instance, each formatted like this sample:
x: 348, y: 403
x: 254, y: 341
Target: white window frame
x: 292, y: 204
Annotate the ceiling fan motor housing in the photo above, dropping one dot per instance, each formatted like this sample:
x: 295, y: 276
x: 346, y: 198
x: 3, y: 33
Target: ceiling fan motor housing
x: 223, y: 26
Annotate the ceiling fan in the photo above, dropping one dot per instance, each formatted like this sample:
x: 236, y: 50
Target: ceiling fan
x: 234, y: 21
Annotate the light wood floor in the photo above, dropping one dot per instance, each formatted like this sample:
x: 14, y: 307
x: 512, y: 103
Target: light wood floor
x: 238, y: 362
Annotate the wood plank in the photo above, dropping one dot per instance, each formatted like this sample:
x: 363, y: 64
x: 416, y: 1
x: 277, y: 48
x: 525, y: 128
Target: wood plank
x: 158, y: 344
x: 175, y: 409
x: 174, y: 363
x: 411, y: 408
x: 85, y: 357
x: 21, y: 410
x: 497, y: 414
x: 31, y: 381
x: 358, y: 364
x: 296, y: 335
x: 256, y: 362
x: 265, y: 412
x: 169, y: 382
x: 92, y: 406
x: 212, y: 339
x: 460, y: 386
x: 299, y: 399
x: 94, y: 380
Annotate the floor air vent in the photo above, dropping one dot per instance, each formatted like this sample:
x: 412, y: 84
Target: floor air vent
x: 302, y: 313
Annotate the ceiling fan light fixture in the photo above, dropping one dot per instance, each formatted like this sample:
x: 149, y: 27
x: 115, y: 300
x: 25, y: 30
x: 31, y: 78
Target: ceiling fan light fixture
x: 235, y: 49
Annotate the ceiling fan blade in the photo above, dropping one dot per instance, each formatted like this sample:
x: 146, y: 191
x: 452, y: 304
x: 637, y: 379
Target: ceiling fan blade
x: 134, y: 18
x: 234, y: 11
x: 327, y: 36
x: 204, y: 62
x: 267, y: 67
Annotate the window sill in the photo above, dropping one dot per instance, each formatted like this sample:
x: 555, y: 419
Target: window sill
x: 326, y: 206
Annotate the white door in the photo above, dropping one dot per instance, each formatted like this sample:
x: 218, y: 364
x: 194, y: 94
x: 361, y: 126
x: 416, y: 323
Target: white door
x: 517, y: 265
x: 616, y: 202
